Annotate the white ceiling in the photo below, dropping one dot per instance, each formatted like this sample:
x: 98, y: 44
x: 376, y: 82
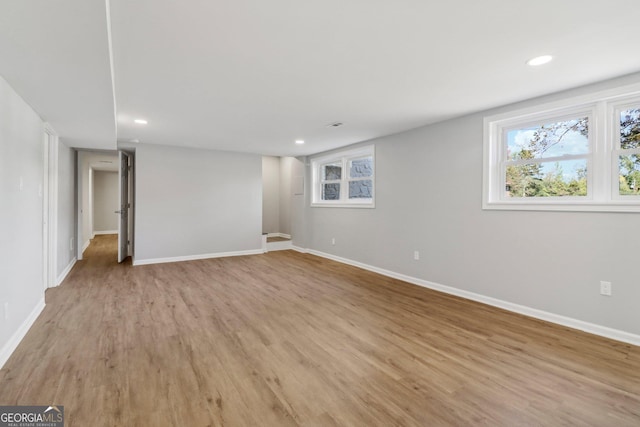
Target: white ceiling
x: 55, y: 54
x: 255, y: 75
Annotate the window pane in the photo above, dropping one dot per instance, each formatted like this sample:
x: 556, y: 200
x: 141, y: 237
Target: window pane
x: 547, y: 179
x: 360, y: 189
x: 630, y: 129
x: 331, y: 191
x: 549, y: 140
x: 361, y: 168
x: 629, y: 167
x: 332, y: 171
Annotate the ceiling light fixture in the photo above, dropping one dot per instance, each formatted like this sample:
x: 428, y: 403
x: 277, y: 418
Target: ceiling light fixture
x: 140, y: 121
x: 135, y: 141
x: 539, y: 60
x: 299, y: 142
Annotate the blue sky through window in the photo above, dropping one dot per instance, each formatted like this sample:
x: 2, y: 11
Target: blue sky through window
x: 562, y: 141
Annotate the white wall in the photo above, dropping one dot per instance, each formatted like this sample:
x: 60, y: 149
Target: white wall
x: 270, y: 194
x: 429, y: 198
x: 66, y: 209
x: 196, y: 203
x: 106, y: 200
x: 21, y: 186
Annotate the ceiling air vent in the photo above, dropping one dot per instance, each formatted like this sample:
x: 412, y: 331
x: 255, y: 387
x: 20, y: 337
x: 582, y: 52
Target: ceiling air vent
x: 335, y: 124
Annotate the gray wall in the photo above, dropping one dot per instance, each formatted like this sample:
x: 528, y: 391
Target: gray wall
x: 66, y: 207
x: 21, y: 159
x: 286, y: 170
x: 193, y: 202
x: 106, y: 200
x: 85, y: 188
x: 429, y: 198
x: 270, y: 194
x: 277, y: 175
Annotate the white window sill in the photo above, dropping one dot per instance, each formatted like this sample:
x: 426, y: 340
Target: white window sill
x: 344, y: 205
x: 573, y: 206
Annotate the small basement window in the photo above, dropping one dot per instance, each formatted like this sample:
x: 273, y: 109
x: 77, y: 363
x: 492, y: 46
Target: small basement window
x: 344, y: 179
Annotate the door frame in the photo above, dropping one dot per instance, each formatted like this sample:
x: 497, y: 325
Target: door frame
x: 123, y: 197
x: 49, y: 192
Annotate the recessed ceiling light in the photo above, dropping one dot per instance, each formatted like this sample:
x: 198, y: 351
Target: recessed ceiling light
x: 539, y: 60
x: 299, y: 142
x: 140, y: 121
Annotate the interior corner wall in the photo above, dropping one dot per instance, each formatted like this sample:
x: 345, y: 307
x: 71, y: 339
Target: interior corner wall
x: 66, y: 226
x: 21, y: 187
x: 196, y: 203
x: 106, y: 201
x: 286, y: 170
x: 429, y: 199
x: 299, y: 202
x: 270, y: 194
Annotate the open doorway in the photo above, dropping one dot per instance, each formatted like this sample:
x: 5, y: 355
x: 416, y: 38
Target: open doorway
x: 280, y: 184
x: 100, y: 204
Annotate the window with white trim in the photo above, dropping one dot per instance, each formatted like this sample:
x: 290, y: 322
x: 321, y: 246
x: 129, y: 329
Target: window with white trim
x: 579, y: 154
x: 627, y: 149
x: 344, y: 179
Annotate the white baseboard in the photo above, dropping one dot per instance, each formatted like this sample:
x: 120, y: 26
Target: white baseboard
x: 98, y: 233
x: 66, y: 271
x: 284, y: 236
x: 279, y: 246
x: 15, y: 339
x: 86, y: 245
x: 196, y: 257
x: 591, y: 328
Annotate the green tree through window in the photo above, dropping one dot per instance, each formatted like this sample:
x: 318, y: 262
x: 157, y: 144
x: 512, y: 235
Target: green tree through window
x: 629, y: 164
x: 527, y: 172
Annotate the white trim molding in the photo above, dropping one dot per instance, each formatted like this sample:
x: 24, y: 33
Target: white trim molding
x: 591, y: 328
x: 284, y: 236
x: 65, y: 272
x: 20, y: 333
x: 279, y: 246
x: 196, y: 257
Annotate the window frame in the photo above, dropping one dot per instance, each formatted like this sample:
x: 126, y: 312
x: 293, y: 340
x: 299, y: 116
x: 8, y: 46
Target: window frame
x: 343, y: 158
x: 614, y: 110
x: 602, y: 161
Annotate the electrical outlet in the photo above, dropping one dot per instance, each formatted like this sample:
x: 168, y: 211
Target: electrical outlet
x: 416, y: 255
x: 333, y: 240
x: 605, y: 288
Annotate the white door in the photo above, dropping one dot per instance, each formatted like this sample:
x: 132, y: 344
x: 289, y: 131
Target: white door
x: 123, y: 224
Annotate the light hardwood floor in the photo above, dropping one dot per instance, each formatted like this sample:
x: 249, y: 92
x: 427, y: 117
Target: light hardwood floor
x: 286, y: 339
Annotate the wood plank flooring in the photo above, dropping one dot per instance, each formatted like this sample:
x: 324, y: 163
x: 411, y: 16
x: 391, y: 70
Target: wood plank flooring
x: 288, y: 339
